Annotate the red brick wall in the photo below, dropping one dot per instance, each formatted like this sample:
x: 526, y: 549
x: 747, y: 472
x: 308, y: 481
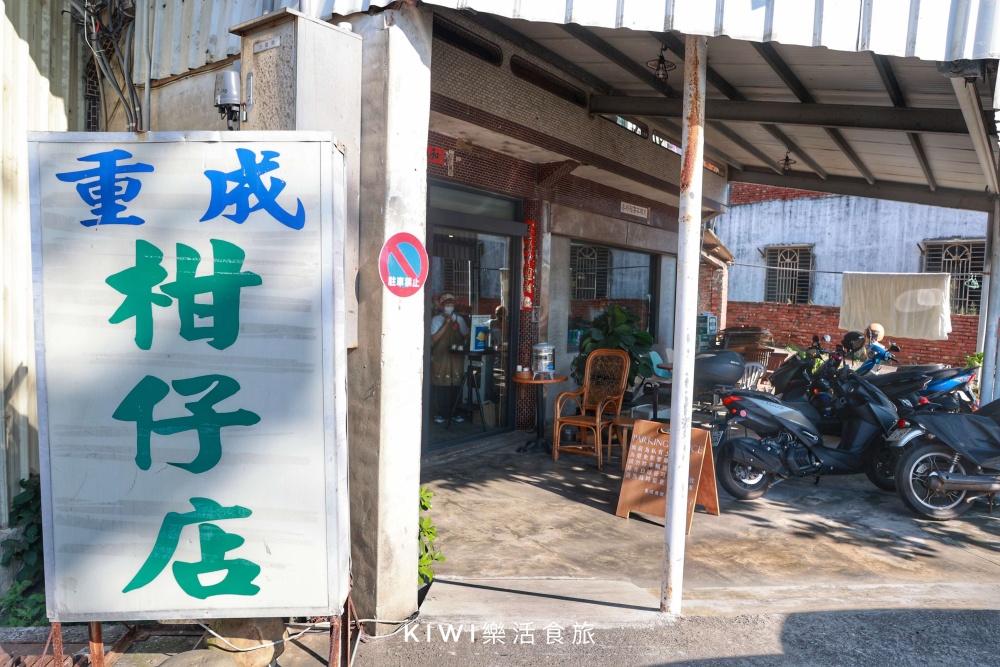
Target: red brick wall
x: 713, y: 288
x: 797, y: 324
x: 748, y: 193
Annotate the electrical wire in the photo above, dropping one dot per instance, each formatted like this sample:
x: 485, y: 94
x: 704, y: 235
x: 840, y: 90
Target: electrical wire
x: 255, y: 648
x: 107, y: 22
x: 365, y: 637
x: 836, y: 273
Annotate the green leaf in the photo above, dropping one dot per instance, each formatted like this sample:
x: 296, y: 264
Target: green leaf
x: 22, y: 498
x: 597, y: 335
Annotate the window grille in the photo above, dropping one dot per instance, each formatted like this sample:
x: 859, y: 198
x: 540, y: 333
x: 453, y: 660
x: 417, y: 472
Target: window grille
x: 789, y: 274
x: 456, y: 275
x: 589, y: 271
x: 964, y: 260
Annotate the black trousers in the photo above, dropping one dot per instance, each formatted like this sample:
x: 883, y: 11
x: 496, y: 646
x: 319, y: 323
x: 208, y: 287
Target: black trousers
x: 443, y: 399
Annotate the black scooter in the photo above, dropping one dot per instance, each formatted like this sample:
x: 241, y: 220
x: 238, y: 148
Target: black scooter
x: 954, y: 459
x: 792, y: 446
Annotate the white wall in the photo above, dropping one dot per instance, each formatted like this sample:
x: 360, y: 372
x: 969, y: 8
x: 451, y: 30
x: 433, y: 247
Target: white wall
x: 849, y: 234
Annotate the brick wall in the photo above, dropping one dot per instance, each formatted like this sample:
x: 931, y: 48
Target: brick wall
x: 713, y: 288
x: 797, y: 324
x: 748, y: 193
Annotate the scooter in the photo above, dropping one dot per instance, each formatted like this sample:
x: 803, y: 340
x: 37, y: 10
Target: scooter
x: 811, y: 394
x: 790, y: 445
x: 954, y: 460
x: 950, y: 389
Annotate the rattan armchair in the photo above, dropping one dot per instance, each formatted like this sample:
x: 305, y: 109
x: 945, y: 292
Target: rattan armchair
x: 599, y: 402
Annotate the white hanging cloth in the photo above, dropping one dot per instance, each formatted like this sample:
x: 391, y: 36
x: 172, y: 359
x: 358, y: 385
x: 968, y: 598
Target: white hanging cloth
x: 908, y: 305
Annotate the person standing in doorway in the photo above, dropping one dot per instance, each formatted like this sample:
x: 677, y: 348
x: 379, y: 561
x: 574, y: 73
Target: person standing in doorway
x: 448, y: 332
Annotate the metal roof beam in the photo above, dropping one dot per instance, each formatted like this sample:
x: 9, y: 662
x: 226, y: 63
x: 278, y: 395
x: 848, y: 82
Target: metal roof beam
x: 858, y: 187
x: 972, y: 110
x: 891, y: 83
x: 941, y: 121
x: 785, y: 73
x: 675, y: 46
x: 605, y: 49
x: 745, y: 145
x: 500, y: 28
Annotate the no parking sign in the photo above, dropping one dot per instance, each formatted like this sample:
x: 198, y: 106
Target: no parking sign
x: 403, y: 264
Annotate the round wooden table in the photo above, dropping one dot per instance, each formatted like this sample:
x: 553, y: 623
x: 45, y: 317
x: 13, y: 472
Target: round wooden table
x: 540, y: 439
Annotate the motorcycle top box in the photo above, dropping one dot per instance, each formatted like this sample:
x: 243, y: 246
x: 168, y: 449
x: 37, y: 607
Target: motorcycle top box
x: 718, y: 367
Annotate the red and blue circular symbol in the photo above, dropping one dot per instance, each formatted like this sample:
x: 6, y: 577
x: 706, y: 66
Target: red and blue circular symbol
x: 403, y: 264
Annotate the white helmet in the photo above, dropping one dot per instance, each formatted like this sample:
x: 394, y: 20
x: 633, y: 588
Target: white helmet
x: 875, y: 332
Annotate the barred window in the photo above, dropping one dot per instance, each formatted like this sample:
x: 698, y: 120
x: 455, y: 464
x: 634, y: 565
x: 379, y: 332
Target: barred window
x: 589, y: 271
x: 789, y: 274
x: 456, y: 275
x: 964, y: 259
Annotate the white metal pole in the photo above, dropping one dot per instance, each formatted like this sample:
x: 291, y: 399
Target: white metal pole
x: 984, y: 290
x: 685, y: 321
x: 992, y: 313
x: 148, y: 52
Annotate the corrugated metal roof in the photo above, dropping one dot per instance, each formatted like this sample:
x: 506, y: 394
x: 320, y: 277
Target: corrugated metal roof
x: 41, y: 58
x: 937, y: 30
x: 196, y: 32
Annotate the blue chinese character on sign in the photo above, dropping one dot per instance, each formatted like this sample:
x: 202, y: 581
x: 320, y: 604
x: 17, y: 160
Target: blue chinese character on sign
x: 104, y: 188
x: 247, y: 182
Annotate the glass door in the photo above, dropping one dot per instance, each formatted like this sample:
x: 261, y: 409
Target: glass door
x: 470, y: 319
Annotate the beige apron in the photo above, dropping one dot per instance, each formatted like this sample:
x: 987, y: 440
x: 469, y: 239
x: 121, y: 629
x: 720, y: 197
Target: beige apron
x: 447, y: 367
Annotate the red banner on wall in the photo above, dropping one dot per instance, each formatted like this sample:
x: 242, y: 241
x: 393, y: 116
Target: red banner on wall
x: 436, y: 155
x: 528, y: 302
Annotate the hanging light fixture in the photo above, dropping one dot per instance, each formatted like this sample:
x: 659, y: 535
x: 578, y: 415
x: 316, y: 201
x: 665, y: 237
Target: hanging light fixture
x: 660, y: 65
x: 786, y: 164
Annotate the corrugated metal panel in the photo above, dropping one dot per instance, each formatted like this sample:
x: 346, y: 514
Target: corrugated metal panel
x: 935, y: 30
x: 194, y: 33
x: 40, y: 60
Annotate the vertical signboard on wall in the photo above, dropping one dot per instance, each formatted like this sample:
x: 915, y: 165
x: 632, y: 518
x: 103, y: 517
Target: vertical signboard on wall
x: 190, y: 345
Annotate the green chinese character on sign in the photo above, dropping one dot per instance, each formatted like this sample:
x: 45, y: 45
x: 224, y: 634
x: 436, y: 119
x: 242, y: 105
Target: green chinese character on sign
x: 214, y: 543
x: 137, y: 285
x: 224, y: 284
x: 139, y: 404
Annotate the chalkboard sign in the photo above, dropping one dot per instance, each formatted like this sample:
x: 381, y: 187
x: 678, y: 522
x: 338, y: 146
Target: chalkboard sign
x: 644, y: 484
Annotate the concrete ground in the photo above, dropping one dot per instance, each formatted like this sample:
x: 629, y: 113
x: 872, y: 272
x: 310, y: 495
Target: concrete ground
x: 540, y: 571
x: 839, y: 545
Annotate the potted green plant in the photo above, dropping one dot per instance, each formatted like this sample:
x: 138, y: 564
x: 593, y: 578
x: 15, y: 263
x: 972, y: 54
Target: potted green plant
x: 616, y: 328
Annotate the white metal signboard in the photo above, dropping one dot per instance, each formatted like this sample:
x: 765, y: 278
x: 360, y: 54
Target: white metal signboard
x: 189, y: 318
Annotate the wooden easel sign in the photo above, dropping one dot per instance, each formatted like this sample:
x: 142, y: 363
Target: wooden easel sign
x: 644, y: 485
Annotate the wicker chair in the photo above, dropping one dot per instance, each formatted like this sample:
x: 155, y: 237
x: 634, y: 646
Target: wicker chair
x: 599, y: 402
x: 752, y: 375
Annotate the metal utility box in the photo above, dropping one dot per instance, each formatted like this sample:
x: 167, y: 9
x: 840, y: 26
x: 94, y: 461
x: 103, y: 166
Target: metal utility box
x: 707, y: 331
x: 300, y: 73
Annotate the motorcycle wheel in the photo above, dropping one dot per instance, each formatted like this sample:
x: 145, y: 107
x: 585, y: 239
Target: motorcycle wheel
x: 741, y: 481
x: 911, y: 482
x: 882, y: 467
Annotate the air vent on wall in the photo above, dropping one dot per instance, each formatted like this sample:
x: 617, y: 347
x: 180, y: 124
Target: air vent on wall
x: 537, y: 76
x: 467, y: 41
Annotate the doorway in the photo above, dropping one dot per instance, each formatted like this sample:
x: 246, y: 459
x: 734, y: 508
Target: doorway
x: 472, y: 318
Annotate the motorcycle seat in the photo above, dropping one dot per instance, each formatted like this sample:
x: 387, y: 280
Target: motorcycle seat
x: 926, y: 368
x: 899, y: 377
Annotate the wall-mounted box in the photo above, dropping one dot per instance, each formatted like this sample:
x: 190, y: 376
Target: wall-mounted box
x: 300, y: 73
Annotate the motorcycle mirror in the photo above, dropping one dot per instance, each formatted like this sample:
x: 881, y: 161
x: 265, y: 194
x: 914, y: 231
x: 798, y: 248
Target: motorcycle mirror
x: 894, y: 348
x: 826, y: 338
x: 815, y: 338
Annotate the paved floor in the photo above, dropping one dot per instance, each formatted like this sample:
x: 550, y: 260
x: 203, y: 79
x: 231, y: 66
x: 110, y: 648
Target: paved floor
x: 841, y: 544
x: 832, y: 574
